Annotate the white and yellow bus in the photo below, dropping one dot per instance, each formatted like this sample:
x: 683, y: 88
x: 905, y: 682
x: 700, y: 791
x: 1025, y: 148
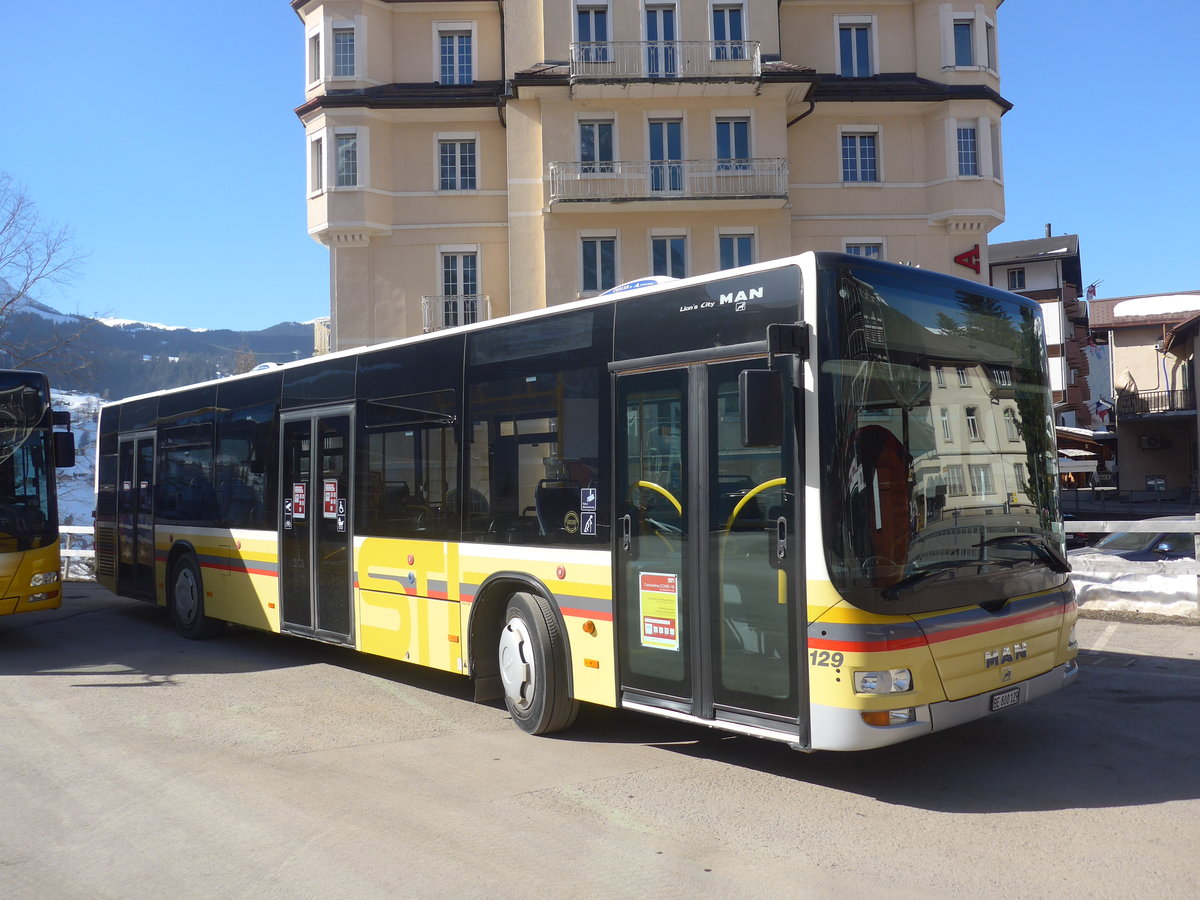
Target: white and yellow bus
x: 812, y: 500
x: 30, y: 450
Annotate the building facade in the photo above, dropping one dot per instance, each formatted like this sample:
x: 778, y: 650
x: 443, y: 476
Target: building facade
x: 1151, y: 341
x: 472, y: 159
x: 1049, y: 270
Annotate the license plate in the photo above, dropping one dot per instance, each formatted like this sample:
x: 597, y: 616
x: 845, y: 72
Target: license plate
x: 1006, y: 699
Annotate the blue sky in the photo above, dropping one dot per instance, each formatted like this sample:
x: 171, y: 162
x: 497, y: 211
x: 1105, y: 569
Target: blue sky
x: 175, y: 157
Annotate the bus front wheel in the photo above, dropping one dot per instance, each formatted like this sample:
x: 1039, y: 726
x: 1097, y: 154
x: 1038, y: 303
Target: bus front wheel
x: 533, y: 666
x: 187, y: 601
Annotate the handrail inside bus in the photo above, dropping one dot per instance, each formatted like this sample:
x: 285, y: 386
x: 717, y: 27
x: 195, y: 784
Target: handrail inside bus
x: 750, y: 495
x: 659, y: 489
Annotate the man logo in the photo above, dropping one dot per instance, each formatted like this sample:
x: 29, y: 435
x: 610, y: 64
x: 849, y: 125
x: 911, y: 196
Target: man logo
x: 992, y: 658
x: 742, y: 296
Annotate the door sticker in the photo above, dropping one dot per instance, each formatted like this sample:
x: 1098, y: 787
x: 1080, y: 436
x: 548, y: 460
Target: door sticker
x: 299, y: 497
x: 331, y: 498
x: 659, y: 599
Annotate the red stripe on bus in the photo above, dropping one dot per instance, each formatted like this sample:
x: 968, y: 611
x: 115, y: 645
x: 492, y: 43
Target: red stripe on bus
x: 884, y: 645
x: 245, y: 569
x: 586, y: 614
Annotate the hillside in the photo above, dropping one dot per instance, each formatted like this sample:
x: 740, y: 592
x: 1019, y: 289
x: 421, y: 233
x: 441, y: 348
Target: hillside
x: 114, y: 358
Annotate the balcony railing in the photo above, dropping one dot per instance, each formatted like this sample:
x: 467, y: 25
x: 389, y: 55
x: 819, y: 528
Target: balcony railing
x: 674, y: 179
x: 451, y: 310
x: 665, y: 59
x: 1147, y: 402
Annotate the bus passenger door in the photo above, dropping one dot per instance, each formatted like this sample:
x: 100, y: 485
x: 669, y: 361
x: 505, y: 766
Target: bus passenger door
x: 135, y: 515
x: 315, y: 545
x: 706, y: 556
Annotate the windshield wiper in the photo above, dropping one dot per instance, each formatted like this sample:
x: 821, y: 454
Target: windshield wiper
x: 918, y: 580
x: 1045, y: 549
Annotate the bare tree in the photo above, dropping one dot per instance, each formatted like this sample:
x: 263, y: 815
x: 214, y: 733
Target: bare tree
x: 33, y: 254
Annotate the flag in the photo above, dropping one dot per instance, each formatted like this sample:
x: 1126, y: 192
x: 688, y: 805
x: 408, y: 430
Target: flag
x: 1091, y: 291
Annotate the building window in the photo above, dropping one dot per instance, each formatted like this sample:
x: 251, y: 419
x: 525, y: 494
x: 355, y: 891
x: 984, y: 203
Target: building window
x: 968, y: 151
x: 964, y: 42
x: 1010, y: 425
x: 343, y: 52
x: 1019, y: 475
x: 347, y: 160
x: 666, y: 154
x: 596, y: 146
x: 944, y: 415
x: 729, y: 33
x: 940, y: 376
x: 973, y: 423
x: 1016, y: 279
x: 456, y: 165
x: 869, y: 250
x: 599, y: 264
x: 591, y: 27
x: 954, y: 481
x: 316, y: 164
x: 314, y: 58
x: 1002, y: 376
x: 858, y: 158
x: 736, y: 250
x: 964, y: 379
x: 455, y: 65
x: 668, y: 256
x: 733, y: 144
x: 981, y: 481
x: 460, y: 288
x: 854, y: 50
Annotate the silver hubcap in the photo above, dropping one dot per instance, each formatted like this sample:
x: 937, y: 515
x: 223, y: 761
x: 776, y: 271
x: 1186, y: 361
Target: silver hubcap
x: 516, y: 663
x: 187, y: 595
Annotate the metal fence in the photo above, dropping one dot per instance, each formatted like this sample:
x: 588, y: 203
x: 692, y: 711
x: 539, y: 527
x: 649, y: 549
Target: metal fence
x: 665, y: 59
x: 78, y: 552
x: 645, y: 179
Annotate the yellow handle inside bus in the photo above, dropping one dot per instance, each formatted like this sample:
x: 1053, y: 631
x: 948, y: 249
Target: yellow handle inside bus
x: 659, y: 489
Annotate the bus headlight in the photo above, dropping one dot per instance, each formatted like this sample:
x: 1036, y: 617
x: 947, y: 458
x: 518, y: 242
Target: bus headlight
x: 889, y: 681
x: 42, y: 578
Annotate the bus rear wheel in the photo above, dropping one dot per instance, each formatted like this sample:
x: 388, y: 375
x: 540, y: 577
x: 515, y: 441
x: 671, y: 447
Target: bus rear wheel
x: 186, y: 600
x: 533, y: 666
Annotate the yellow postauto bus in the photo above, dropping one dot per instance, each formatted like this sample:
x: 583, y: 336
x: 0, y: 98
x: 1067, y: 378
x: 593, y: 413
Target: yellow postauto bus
x: 30, y: 449
x: 812, y: 500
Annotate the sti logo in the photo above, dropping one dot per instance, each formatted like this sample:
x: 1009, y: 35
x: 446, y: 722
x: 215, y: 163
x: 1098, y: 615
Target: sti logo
x: 740, y: 298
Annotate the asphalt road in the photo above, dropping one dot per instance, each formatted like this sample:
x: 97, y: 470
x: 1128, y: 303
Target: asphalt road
x: 136, y: 764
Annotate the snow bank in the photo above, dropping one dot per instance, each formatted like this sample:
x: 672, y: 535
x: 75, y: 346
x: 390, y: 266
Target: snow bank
x: 1163, y: 587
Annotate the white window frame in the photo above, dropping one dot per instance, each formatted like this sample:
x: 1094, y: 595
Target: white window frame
x: 605, y: 168
x: 872, y: 23
x: 355, y: 33
x: 733, y: 231
x: 983, y: 38
x: 444, y: 250
x: 1012, y: 278
x: 984, y: 155
x: 955, y: 485
x: 1010, y: 425
x: 441, y: 28
x: 591, y: 6
x: 743, y: 115
x: 713, y: 6
x: 974, y: 429
x: 986, y: 483
x: 947, y: 428
x: 669, y: 234
x: 314, y: 62
x: 591, y: 234
x: 362, y: 157
x: 879, y: 242
x: 316, y: 164
x: 456, y: 137
x: 874, y: 131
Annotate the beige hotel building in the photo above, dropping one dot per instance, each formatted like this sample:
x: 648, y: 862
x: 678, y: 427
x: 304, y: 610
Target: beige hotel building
x: 468, y: 159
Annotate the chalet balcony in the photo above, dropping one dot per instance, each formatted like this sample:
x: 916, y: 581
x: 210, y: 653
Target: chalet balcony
x: 665, y: 59
x: 1144, y: 403
x: 685, y: 183
x: 441, y: 311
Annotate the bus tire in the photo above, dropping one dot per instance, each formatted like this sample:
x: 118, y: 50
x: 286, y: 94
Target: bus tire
x: 186, y: 601
x: 533, y: 666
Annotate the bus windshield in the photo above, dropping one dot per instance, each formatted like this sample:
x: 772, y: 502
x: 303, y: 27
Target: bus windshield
x: 938, y: 445
x: 26, y: 476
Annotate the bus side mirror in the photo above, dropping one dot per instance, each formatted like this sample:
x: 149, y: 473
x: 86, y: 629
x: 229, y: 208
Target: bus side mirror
x: 760, y: 398
x: 64, y: 449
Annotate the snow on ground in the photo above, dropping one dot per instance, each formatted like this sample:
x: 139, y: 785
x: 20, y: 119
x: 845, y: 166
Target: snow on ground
x: 1163, y: 587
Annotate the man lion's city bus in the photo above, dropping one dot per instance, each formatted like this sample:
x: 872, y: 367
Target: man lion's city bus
x: 812, y: 500
x: 30, y: 449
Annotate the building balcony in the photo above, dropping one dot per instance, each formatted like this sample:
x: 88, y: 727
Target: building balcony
x: 440, y: 311
x: 658, y: 68
x: 685, y: 183
x: 1144, y: 403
